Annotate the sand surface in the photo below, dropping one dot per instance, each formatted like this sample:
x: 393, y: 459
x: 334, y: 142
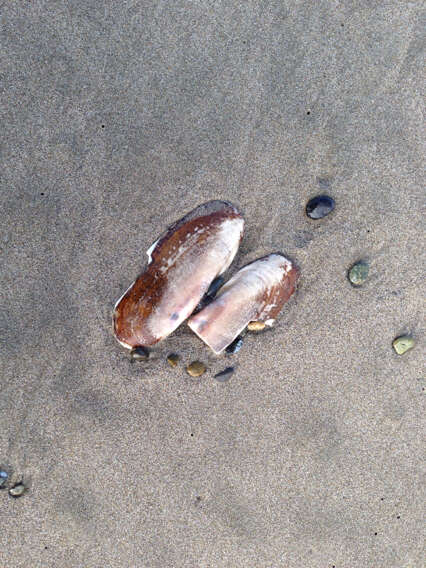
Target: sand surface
x: 117, y: 119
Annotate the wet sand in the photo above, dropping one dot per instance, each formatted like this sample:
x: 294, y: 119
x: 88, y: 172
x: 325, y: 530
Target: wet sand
x: 117, y: 120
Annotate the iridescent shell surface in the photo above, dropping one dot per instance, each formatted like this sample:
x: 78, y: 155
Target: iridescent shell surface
x: 182, y: 263
x: 257, y: 292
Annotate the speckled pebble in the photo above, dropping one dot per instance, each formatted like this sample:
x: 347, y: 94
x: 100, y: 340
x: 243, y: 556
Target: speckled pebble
x: 256, y: 326
x: 319, y: 206
x: 139, y: 354
x: 17, y: 490
x: 403, y: 344
x: 224, y: 375
x: 173, y: 359
x: 196, y: 369
x: 358, y: 273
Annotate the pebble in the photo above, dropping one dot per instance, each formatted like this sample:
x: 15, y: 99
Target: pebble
x: 403, y: 344
x: 17, y: 490
x: 256, y: 326
x: 196, y: 369
x: 139, y: 354
x: 205, y: 301
x: 235, y: 346
x: 173, y: 359
x: 319, y: 206
x: 210, y: 294
x: 358, y: 273
x: 3, y: 477
x: 224, y: 375
x: 215, y: 285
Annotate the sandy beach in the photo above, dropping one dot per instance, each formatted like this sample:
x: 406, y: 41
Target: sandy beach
x: 118, y: 119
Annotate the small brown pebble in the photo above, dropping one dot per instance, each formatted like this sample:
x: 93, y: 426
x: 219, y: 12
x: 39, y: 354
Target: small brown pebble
x: 173, y: 359
x: 256, y: 326
x: 196, y: 368
x: 17, y: 490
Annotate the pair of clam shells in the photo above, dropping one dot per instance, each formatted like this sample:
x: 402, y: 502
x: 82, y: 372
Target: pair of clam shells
x: 182, y: 264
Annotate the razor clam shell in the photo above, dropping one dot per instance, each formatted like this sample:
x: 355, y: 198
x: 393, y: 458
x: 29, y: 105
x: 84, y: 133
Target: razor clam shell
x: 182, y: 263
x: 257, y: 292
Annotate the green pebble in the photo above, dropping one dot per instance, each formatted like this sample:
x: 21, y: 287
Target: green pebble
x: 403, y: 344
x: 358, y: 273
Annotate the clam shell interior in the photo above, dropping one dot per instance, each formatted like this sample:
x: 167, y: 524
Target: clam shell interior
x: 182, y: 263
x: 257, y: 292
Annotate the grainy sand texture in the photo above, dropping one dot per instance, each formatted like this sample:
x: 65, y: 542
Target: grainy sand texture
x: 117, y: 118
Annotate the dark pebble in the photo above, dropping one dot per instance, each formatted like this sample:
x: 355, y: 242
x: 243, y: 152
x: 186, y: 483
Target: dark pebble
x: 205, y: 301
x: 210, y: 294
x: 235, y: 346
x: 224, y: 375
x: 319, y: 206
x: 215, y: 285
x: 139, y: 354
x: 3, y: 478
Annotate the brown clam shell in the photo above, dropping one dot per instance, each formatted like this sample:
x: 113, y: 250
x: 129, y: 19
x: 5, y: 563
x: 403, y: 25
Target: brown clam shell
x: 257, y: 292
x: 182, y: 263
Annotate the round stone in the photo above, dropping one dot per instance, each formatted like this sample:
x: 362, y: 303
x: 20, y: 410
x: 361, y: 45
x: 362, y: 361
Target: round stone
x: 173, y: 359
x: 139, y: 354
x: 358, y: 273
x: 403, y: 344
x: 224, y: 375
x: 256, y: 326
x: 319, y: 206
x: 17, y: 490
x: 196, y: 368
